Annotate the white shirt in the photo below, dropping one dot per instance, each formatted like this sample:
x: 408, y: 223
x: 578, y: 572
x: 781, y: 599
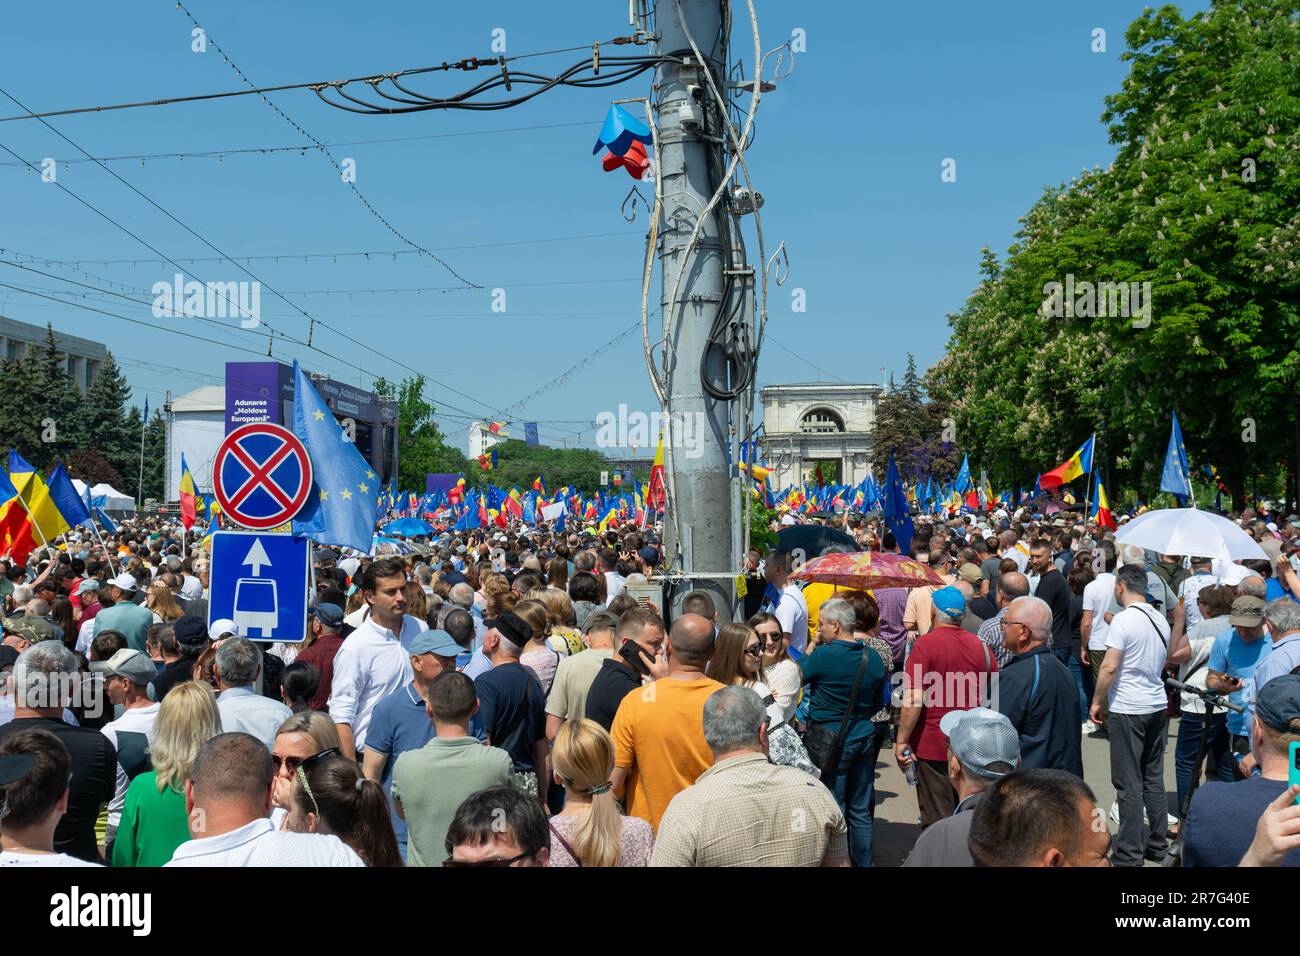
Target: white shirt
x: 243, y: 709
x: 1201, y: 641
x: 1097, y: 595
x: 1139, y: 687
x: 1020, y: 557
x: 614, y: 584
x: 792, y: 612
x: 371, y: 663
x: 13, y: 858
x: 260, y: 844
x: 138, y: 720
x: 1188, y: 592
x: 785, y: 679
x: 85, y: 634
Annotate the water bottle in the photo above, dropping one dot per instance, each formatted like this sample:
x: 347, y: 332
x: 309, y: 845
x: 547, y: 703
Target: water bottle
x: 910, y: 772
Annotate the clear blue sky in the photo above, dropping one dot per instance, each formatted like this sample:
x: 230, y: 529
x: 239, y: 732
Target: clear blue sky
x: 848, y: 154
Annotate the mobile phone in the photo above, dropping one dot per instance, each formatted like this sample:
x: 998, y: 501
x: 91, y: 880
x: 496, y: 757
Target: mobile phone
x: 1293, y: 774
x: 631, y: 653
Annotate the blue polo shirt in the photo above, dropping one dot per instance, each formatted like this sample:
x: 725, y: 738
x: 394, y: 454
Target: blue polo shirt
x: 398, y: 724
x: 1273, y: 589
x: 1233, y: 657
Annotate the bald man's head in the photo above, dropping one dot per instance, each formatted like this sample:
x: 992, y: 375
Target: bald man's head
x: 691, y: 640
x: 1012, y: 585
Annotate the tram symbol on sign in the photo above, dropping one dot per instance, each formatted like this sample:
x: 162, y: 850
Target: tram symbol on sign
x: 257, y: 604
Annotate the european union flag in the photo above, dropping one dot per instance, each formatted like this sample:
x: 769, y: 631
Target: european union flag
x: 1176, y: 476
x: 897, y: 515
x: 345, y: 491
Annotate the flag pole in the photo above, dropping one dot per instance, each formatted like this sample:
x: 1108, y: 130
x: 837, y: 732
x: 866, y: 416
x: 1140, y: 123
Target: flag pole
x: 1092, y: 470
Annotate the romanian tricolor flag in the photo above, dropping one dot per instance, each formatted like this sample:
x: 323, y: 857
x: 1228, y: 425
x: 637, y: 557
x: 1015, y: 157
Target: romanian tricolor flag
x: 514, y: 504
x: 188, y: 493
x: 17, y: 536
x: 488, y: 460
x: 610, y: 515
x: 45, y: 515
x: 1099, y: 510
x: 539, y: 486
x: 496, y: 428
x: 657, y: 492
x: 1080, y: 463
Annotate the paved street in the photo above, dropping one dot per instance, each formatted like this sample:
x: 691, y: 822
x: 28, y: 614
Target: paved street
x: 896, y: 828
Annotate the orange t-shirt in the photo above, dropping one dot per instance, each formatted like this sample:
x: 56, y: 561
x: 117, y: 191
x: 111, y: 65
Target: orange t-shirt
x: 659, y: 737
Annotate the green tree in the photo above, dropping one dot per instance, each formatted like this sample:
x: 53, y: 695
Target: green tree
x: 519, y: 463
x: 21, y: 404
x: 104, y: 418
x: 155, y: 458
x: 421, y: 448
x: 1201, y: 203
x: 59, y: 408
x: 911, y: 426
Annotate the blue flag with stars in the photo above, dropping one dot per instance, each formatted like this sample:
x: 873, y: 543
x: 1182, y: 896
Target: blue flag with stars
x: 345, y: 491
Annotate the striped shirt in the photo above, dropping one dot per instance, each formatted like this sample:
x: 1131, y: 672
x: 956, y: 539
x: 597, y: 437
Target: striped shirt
x: 991, y: 634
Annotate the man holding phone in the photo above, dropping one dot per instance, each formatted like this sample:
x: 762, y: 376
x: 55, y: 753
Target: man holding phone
x: 638, y: 656
x: 1233, y: 659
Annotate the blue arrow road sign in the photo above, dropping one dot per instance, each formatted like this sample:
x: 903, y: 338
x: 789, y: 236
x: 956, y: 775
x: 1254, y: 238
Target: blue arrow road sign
x: 260, y: 581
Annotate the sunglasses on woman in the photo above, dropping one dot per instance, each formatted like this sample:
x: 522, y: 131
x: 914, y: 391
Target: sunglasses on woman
x: 770, y: 640
x: 754, y: 650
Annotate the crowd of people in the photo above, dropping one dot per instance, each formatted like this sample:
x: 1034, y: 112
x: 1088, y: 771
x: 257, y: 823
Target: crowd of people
x: 518, y: 697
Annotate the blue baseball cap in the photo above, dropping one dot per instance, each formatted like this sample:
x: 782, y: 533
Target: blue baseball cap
x: 950, y: 601
x: 435, y: 642
x: 331, y: 615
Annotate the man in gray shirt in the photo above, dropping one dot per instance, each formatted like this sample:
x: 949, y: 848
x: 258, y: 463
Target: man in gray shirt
x: 983, y: 747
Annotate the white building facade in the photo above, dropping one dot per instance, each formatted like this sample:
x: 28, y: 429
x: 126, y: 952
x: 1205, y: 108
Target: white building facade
x: 807, y: 424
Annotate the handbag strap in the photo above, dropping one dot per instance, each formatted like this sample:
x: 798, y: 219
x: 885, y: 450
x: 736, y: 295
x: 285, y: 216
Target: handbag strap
x: 564, y: 843
x: 853, y: 699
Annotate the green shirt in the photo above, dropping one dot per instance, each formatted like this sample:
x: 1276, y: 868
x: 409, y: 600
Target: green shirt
x: 131, y: 619
x: 830, y: 670
x: 433, y: 781
x: 153, y: 824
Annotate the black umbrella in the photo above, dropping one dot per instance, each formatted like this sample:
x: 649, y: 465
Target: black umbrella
x: 812, y: 539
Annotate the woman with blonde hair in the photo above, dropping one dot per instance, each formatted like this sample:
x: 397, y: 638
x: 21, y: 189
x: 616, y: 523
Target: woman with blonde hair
x: 154, y: 822
x: 590, y: 831
x: 539, y: 655
x: 561, y: 618
x: 165, y: 609
x: 305, y: 734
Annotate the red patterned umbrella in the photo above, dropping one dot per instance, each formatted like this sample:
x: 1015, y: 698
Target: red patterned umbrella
x: 868, y: 569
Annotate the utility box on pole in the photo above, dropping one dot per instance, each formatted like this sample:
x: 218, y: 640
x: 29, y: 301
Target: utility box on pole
x: 691, y: 131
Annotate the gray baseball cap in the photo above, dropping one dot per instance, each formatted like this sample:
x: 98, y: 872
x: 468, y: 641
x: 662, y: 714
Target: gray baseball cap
x: 983, y: 740
x: 128, y: 663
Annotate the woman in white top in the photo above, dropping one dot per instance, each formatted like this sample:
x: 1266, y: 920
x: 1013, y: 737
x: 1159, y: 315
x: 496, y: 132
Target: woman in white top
x: 738, y: 659
x: 781, y: 673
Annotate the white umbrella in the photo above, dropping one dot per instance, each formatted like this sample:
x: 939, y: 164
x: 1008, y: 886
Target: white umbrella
x: 1189, y: 531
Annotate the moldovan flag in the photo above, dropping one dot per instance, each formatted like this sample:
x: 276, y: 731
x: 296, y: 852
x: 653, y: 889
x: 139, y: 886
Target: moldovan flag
x: 1080, y: 463
x: 17, y: 537
x: 1101, y: 507
x: 188, y: 493
x: 657, y: 495
x: 44, y: 513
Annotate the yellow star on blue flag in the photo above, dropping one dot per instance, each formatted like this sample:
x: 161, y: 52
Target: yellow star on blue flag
x: 346, y: 519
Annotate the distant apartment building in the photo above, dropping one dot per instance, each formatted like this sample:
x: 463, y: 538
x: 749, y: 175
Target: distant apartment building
x: 81, y: 357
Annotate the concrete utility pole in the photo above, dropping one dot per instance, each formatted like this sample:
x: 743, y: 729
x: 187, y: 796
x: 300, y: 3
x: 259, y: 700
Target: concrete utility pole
x: 701, y: 485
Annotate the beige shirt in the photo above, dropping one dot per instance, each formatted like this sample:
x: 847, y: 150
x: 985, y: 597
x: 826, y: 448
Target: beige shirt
x: 568, y: 697
x: 919, y: 613
x: 745, y: 811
